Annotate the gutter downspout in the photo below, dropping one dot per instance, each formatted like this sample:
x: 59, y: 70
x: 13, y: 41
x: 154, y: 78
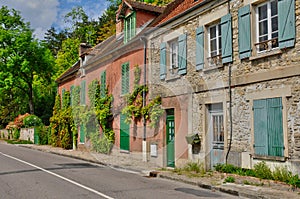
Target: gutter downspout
x: 230, y: 102
x: 144, y: 147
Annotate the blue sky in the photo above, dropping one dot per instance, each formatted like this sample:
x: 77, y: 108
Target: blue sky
x: 42, y: 14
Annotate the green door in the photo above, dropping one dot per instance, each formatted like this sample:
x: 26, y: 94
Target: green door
x: 170, y: 141
x: 124, y: 133
x: 82, y: 135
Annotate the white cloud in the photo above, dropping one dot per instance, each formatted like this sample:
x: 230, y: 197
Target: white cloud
x: 40, y: 13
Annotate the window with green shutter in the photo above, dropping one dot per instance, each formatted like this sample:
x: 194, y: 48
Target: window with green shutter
x: 268, y: 127
x: 102, y: 83
x: 129, y: 27
x: 82, y: 92
x: 125, y: 78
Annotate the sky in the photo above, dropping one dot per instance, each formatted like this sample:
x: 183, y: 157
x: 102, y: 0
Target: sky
x: 43, y: 14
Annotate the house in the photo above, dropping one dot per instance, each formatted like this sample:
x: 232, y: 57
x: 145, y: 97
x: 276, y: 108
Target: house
x: 112, y: 62
x: 228, y: 73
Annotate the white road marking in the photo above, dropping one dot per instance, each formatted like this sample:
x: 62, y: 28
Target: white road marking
x: 59, y: 176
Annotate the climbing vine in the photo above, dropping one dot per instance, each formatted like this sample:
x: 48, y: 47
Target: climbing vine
x: 134, y: 110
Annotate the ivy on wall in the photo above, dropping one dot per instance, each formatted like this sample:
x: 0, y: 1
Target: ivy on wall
x: 134, y: 110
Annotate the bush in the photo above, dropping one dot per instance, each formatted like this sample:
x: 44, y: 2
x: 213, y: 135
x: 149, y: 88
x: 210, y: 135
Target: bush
x: 229, y: 179
x: 194, y: 167
x: 281, y: 174
x: 262, y: 171
x: 42, y: 133
x: 100, y: 143
x: 16, y: 134
x: 32, y: 121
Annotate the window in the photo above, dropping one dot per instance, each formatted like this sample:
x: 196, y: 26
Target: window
x: 129, y: 27
x: 177, y: 57
x: 268, y: 127
x: 82, y: 93
x: 274, y: 23
x: 215, y: 45
x: 217, y: 38
x: 125, y: 78
x: 173, y: 54
x: 267, y: 26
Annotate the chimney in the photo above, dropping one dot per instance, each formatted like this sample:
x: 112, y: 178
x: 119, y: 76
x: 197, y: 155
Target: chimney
x: 83, y: 48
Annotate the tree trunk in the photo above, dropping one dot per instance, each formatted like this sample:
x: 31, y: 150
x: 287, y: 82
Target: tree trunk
x: 31, y: 107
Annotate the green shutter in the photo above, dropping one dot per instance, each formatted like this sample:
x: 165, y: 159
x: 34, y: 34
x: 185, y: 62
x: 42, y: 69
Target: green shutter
x: 133, y: 25
x: 286, y: 23
x: 260, y: 127
x: 125, y: 31
x: 226, y: 39
x: 71, y: 95
x: 82, y: 134
x: 244, y: 32
x: 103, y: 83
x: 182, y: 53
x: 275, y: 129
x: 199, y: 48
x: 163, y: 61
x: 62, y: 95
x: 125, y: 78
x: 82, y: 93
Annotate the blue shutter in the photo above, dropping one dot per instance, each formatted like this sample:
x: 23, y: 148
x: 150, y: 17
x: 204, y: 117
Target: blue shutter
x: 182, y: 53
x: 244, y: 32
x: 286, y: 23
x: 275, y: 128
x: 163, y: 61
x: 226, y: 39
x: 260, y: 127
x: 199, y: 48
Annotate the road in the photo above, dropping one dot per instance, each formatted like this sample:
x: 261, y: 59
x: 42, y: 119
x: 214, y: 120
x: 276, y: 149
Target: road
x: 27, y: 174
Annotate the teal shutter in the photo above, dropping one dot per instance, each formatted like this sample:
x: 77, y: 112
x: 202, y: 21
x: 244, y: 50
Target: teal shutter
x: 82, y: 134
x: 275, y: 128
x: 286, y: 23
x: 163, y: 60
x: 260, y: 127
x: 200, y: 48
x: 133, y: 25
x: 182, y: 53
x: 62, y: 95
x: 82, y: 93
x: 102, y: 83
x: 125, y: 78
x: 226, y: 39
x: 244, y: 32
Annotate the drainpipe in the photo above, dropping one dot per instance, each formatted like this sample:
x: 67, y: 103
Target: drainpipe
x: 145, y: 152
x: 230, y: 100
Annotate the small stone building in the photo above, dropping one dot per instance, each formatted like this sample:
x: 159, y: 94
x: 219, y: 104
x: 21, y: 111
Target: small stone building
x: 228, y: 72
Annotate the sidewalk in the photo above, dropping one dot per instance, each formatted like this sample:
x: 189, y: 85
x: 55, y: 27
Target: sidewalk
x: 265, y: 189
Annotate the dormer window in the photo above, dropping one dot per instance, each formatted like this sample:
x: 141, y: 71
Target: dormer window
x: 129, y: 27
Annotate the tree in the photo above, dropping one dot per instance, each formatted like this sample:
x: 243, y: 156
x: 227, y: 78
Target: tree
x: 53, y: 40
x: 22, y: 58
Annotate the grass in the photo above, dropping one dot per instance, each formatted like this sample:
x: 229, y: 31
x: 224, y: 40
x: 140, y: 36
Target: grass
x: 18, y: 142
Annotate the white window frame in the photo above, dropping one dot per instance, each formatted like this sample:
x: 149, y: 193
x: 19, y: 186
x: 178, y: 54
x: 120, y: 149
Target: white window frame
x: 269, y: 19
x: 216, y: 59
x: 173, y: 52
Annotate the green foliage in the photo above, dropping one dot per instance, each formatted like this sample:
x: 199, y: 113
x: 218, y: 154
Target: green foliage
x: 229, y: 179
x: 194, y: 167
x: 100, y: 144
x: 32, y: 121
x: 262, y: 171
x: 18, y: 142
x: 135, y: 110
x: 42, y: 132
x: 281, y: 174
x: 61, y: 123
x: 16, y: 134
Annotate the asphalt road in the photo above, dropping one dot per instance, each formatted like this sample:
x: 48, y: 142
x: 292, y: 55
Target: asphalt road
x: 27, y: 174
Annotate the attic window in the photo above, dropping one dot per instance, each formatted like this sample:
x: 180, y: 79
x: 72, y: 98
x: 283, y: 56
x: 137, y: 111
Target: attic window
x: 129, y: 27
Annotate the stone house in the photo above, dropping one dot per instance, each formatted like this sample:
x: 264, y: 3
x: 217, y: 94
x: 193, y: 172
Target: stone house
x: 112, y: 63
x: 228, y: 73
